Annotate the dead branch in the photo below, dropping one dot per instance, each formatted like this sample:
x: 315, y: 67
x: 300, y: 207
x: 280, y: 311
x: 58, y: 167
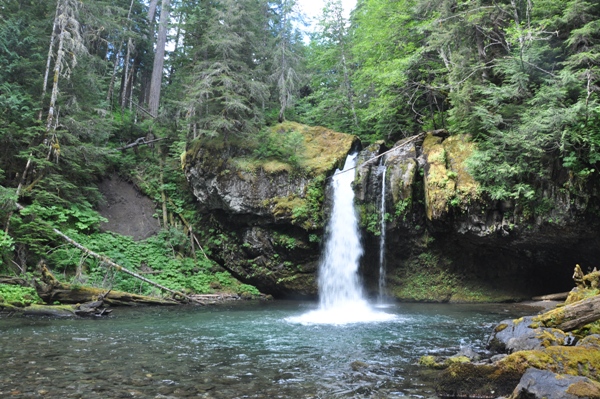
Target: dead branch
x: 139, y: 141
x: 409, y: 140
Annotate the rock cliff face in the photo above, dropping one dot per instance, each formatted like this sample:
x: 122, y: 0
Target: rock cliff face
x: 267, y: 215
x: 446, y: 241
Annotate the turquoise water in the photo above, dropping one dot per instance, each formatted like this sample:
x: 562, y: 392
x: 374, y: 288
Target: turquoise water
x: 241, y: 350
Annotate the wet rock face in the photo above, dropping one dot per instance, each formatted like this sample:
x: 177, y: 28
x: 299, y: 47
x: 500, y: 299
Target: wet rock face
x: 266, y: 216
x: 439, y: 223
x: 223, y: 186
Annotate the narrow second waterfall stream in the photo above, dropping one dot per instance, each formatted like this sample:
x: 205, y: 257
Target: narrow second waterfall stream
x: 382, y: 271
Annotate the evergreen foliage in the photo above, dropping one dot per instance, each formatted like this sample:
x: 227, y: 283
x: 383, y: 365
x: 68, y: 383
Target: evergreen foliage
x: 522, y: 77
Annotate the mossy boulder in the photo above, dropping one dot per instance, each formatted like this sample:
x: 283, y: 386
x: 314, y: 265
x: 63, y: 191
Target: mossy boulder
x: 467, y: 380
x: 571, y: 360
x: 501, y: 378
x: 526, y: 334
x: 544, y: 384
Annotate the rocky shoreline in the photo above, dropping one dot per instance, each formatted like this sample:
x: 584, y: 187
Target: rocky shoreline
x: 529, y: 357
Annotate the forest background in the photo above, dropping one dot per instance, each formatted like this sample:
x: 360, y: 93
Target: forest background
x: 80, y: 79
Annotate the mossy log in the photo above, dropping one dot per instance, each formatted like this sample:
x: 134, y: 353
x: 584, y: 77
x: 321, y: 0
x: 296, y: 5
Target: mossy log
x: 51, y: 290
x: 13, y: 281
x: 579, y: 310
x: 561, y: 296
x: 573, y: 316
x: 87, y: 309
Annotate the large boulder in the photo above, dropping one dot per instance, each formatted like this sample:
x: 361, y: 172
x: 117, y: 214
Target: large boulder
x: 522, y: 334
x: 544, y: 384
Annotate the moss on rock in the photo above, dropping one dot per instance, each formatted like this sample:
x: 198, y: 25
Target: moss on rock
x: 447, y: 181
x: 585, y: 389
x: 572, y: 360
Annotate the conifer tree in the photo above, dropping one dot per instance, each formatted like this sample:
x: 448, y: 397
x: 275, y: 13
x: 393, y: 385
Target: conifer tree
x: 225, y: 90
x: 287, y: 54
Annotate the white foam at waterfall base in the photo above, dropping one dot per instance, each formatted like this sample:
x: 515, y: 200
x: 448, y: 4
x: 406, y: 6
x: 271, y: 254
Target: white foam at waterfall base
x: 341, y: 299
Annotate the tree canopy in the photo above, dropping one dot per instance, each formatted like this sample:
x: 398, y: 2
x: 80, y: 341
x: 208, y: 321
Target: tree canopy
x: 79, y: 79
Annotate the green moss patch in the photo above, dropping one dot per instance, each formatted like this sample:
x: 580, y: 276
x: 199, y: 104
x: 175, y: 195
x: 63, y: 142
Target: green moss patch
x: 430, y: 277
x: 447, y: 181
x: 572, y: 360
x: 585, y: 389
x: 287, y: 146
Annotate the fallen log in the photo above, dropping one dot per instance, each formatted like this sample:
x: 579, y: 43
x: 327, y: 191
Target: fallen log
x: 87, y: 309
x: 582, y: 306
x: 561, y: 296
x: 51, y: 290
x: 403, y: 143
x: 573, y: 316
x: 13, y: 281
x: 138, y: 142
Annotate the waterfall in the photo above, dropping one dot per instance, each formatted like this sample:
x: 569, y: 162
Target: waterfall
x: 338, y: 274
x: 382, y: 239
x: 341, y: 298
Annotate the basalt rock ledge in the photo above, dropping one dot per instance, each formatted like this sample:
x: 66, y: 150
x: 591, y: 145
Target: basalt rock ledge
x: 446, y: 240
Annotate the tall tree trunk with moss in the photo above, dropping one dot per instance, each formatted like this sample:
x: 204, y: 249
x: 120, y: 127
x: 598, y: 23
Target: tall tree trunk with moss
x: 66, y: 30
x: 159, y: 59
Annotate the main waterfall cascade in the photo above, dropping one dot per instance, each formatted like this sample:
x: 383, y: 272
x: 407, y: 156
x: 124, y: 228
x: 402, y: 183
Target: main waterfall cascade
x: 382, y: 270
x: 341, y: 296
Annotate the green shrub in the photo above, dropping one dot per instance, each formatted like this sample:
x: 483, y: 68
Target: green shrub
x: 18, y: 294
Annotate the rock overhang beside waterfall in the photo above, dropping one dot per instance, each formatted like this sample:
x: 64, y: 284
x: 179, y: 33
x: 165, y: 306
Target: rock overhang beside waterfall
x: 267, y: 207
x: 230, y: 177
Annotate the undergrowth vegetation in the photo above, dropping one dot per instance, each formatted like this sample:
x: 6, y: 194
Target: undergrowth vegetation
x: 168, y: 258
x: 17, y: 295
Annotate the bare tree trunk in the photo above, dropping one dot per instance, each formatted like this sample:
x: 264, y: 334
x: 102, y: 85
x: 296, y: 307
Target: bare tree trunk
x: 111, y: 86
x: 126, y: 78
x: 57, y: 68
x: 49, y: 59
x: 177, y: 36
x: 162, y: 188
x: 152, y: 11
x: 159, y: 59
